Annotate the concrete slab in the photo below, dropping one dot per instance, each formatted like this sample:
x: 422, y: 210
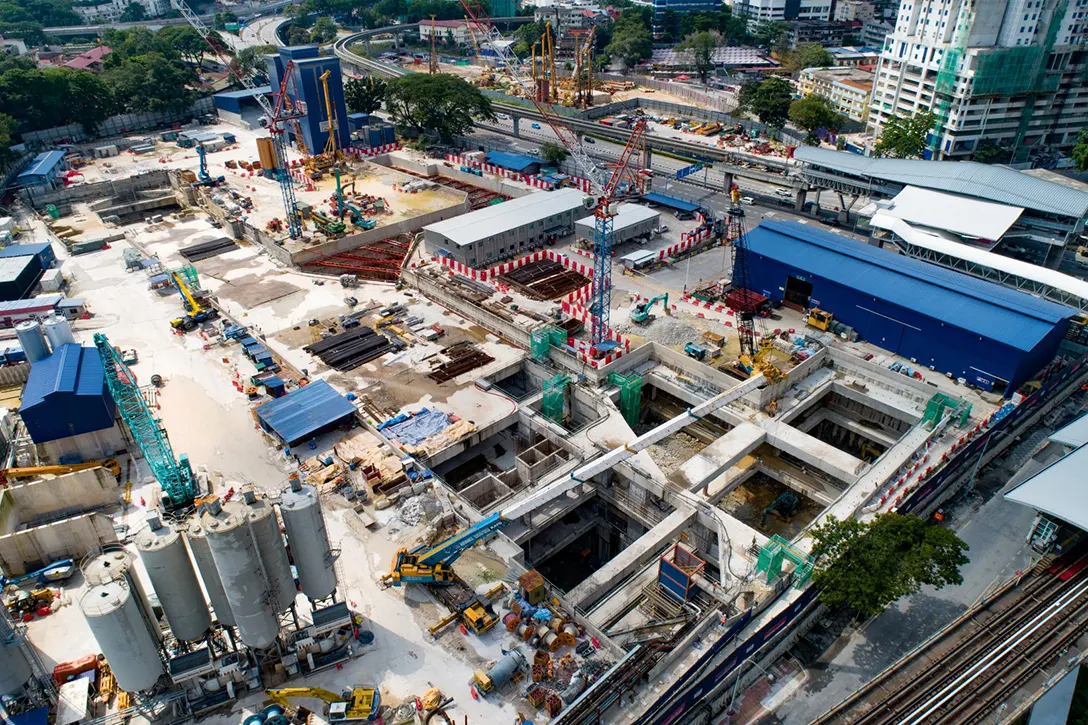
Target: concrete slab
x: 812, y: 451
x: 719, y: 456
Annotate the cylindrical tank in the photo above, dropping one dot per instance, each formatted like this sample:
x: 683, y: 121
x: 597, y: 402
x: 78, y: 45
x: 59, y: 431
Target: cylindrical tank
x: 237, y: 559
x: 266, y: 529
x: 14, y: 669
x: 58, y: 331
x: 116, y: 563
x: 202, y: 553
x: 506, y: 668
x: 118, y: 626
x: 32, y: 340
x: 309, y: 540
x: 173, y: 579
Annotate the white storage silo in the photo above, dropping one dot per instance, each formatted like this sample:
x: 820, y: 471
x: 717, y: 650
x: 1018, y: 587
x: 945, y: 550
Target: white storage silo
x: 15, y: 671
x: 202, y: 554
x: 237, y: 559
x: 309, y: 540
x: 266, y: 529
x: 32, y: 340
x: 116, y: 563
x: 174, y: 580
x: 58, y: 331
x: 118, y: 625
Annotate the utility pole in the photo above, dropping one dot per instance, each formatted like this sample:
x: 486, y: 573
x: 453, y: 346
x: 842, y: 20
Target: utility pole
x: 432, y: 68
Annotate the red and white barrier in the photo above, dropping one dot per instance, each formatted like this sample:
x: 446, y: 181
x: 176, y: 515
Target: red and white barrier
x: 373, y: 151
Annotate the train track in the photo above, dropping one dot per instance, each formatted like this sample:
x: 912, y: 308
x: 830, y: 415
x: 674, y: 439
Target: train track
x: 965, y: 672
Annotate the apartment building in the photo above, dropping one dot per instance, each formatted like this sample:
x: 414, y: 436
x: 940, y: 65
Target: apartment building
x: 110, y: 12
x: 854, y: 10
x: 761, y: 11
x: 443, y: 30
x: 1012, y: 72
x: 848, y: 89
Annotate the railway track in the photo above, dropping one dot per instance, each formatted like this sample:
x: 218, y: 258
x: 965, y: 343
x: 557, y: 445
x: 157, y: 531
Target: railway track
x: 965, y: 672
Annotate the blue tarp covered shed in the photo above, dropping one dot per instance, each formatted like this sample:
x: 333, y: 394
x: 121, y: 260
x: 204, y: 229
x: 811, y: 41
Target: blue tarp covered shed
x: 66, y: 395
x: 518, y: 163
x: 305, y: 412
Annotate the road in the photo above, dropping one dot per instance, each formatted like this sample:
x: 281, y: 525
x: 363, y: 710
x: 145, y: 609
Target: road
x: 261, y: 31
x: 157, y: 23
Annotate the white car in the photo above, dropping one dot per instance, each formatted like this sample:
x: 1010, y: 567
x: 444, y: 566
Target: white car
x: 747, y: 200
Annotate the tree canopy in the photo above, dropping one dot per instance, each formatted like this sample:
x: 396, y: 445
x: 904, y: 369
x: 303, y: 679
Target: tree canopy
x: 133, y: 12
x: 250, y: 62
x: 442, y: 105
x: 866, y: 567
x: 770, y: 101
x: 364, y: 95
x: 1080, y: 151
x: 323, y: 31
x: 553, y: 154
x: 49, y: 97
x: 904, y: 137
x: 151, y: 82
x: 813, y: 113
x: 702, y: 45
x: 631, y: 41
x: 807, y: 55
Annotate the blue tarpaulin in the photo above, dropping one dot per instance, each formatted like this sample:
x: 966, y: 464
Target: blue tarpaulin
x: 37, y: 716
x: 305, y: 412
x: 419, y: 427
x: 670, y: 202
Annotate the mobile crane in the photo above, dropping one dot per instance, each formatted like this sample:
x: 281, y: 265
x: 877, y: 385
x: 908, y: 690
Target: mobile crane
x: 203, y: 178
x: 435, y: 565
x: 195, y: 312
x: 357, y: 704
x: 640, y: 313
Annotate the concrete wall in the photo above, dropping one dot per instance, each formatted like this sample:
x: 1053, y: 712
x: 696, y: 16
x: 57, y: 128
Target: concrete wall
x: 444, y: 168
x: 124, y: 188
x: 72, y: 492
x: 30, y: 549
x: 902, y: 386
x: 95, y: 445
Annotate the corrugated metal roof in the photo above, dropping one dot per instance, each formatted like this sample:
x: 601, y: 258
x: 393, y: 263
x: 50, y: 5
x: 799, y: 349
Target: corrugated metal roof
x: 35, y: 304
x: 627, y: 215
x: 24, y: 250
x: 247, y: 93
x: 305, y: 411
x: 501, y: 218
x: 1009, y: 316
x: 670, y: 201
x: 951, y: 212
x: 1075, y: 434
x: 12, y: 267
x: 984, y: 181
x: 514, y: 162
x: 66, y: 395
x: 1059, y: 490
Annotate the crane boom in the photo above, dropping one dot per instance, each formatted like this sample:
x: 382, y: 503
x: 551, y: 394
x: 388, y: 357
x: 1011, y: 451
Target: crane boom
x: 615, y: 456
x: 191, y: 304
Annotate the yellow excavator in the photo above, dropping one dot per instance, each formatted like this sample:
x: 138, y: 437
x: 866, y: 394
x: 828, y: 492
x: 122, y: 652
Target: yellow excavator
x: 195, y: 312
x: 357, y: 704
x: 110, y: 464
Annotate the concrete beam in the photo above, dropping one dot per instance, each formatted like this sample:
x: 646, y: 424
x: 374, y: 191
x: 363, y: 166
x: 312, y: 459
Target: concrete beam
x: 719, y: 456
x: 864, y: 431
x: 813, y: 451
x: 637, y: 555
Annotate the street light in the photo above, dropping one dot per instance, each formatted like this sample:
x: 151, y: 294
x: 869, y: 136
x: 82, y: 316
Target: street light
x: 730, y: 712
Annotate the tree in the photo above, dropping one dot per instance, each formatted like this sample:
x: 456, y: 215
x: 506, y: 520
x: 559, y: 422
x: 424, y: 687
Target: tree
x: 250, y: 61
x: 151, y: 82
x: 364, y: 95
x: 807, y: 55
x: 38, y: 99
x: 769, y: 33
x: 298, y: 35
x: 812, y: 113
x: 988, y: 152
x: 442, y: 105
x: 631, y: 41
x: 866, y: 567
x: 746, y: 94
x: 528, y: 34
x: 134, y: 12
x: 323, y: 31
x: 183, y: 40
x: 7, y: 138
x: 1080, y: 152
x: 702, y: 45
x: 771, y: 101
x: 553, y: 155
x: 904, y: 137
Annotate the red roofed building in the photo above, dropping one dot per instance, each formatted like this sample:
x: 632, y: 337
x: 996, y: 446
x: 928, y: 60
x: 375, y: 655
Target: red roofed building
x: 90, y: 60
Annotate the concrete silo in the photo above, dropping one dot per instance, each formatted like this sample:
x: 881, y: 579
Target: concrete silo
x: 170, y: 569
x: 232, y: 536
x: 266, y: 529
x: 120, y: 628
x: 115, y: 563
x: 309, y: 540
x: 15, y: 670
x: 202, y: 554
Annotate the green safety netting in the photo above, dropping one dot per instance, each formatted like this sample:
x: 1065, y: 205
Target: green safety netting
x: 552, y: 404
x: 777, y: 550
x: 939, y: 403
x: 630, y: 396
x: 542, y: 339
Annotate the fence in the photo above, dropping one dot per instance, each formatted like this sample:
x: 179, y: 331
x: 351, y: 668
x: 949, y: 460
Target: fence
x: 116, y: 125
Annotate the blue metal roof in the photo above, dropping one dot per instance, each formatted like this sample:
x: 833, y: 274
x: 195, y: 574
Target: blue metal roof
x: 514, y: 162
x: 66, y: 395
x: 42, y: 164
x: 247, y: 93
x: 305, y: 411
x: 670, y: 201
x: 1000, y: 313
x: 24, y: 250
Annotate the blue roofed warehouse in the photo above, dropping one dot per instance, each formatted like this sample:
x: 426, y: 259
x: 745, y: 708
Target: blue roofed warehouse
x: 991, y: 335
x: 306, y: 412
x: 66, y: 395
x: 43, y: 170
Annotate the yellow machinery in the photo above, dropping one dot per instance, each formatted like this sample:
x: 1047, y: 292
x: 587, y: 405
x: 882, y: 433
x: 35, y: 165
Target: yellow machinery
x: 358, y: 704
x: 477, y: 614
x: 109, y: 464
x: 820, y: 319
x: 195, y: 313
x: 23, y: 602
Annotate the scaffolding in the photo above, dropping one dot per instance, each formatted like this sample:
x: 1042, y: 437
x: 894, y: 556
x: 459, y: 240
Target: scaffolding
x: 542, y: 339
x: 630, y: 396
x: 1014, y: 71
x: 939, y: 403
x: 777, y: 550
x: 554, y: 398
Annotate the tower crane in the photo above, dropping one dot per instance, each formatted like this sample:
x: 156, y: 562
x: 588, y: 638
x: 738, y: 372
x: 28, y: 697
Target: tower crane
x: 175, y: 475
x: 275, y: 118
x: 605, y: 189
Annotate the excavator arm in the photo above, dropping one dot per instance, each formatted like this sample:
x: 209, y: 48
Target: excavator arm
x: 110, y: 464
x: 283, y: 696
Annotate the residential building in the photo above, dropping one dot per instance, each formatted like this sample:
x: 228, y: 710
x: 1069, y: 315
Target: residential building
x: 680, y: 7
x: 111, y: 11
x: 873, y: 32
x: 823, y: 32
x: 458, y: 30
x: 762, y: 11
x: 14, y: 46
x: 564, y: 17
x: 489, y: 235
x: 854, y: 10
x: 91, y: 60
x: 852, y: 55
x: 1010, y: 72
x: 848, y: 89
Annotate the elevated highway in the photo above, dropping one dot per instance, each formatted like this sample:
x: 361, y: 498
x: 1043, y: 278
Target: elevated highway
x: 158, y: 23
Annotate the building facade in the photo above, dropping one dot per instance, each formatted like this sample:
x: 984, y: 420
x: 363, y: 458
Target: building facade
x: 110, y: 12
x: 762, y: 11
x: 1009, y: 72
x: 680, y: 7
x: 443, y: 30
x: 854, y: 10
x: 848, y: 89
x: 822, y: 32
